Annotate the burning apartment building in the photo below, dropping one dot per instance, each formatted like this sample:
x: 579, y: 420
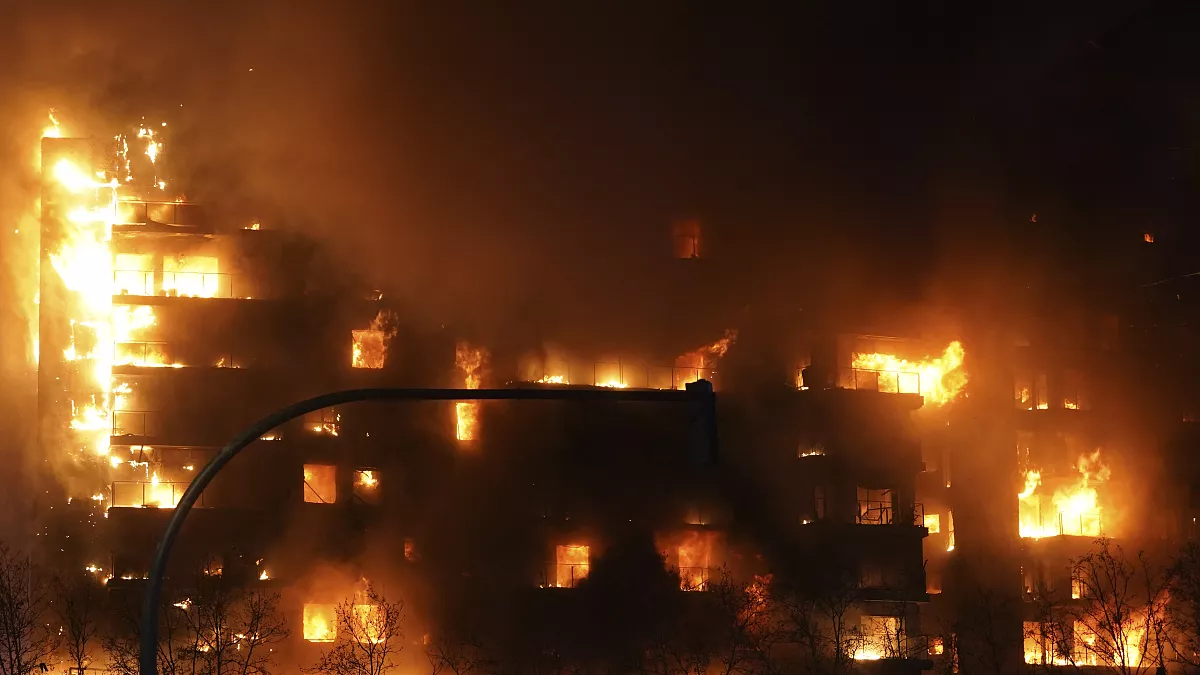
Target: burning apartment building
x: 872, y: 471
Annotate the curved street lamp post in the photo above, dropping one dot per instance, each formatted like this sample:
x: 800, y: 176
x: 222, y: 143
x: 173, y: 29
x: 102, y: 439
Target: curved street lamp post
x: 703, y: 441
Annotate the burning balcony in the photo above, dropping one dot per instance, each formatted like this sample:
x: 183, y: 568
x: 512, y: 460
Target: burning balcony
x: 1073, y: 508
x: 878, y: 364
x: 150, y: 494
x: 692, y: 554
x: 367, y: 488
x: 879, y: 637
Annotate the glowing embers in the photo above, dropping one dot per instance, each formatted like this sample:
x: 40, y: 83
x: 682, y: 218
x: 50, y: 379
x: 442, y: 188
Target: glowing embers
x: 325, y: 422
x: 320, y: 622
x: 571, y: 563
x: 1074, y: 509
x: 369, y: 347
x: 939, y: 379
x: 320, y: 483
x: 191, y: 276
x: 469, y: 360
x: 366, y: 486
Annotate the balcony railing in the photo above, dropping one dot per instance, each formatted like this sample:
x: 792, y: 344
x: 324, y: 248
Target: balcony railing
x: 137, y: 423
x: 148, y: 494
x: 887, y: 381
x: 179, y: 284
x: 886, y: 513
x: 630, y: 375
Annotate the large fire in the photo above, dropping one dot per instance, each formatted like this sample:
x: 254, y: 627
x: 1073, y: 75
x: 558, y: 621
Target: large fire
x: 369, y: 347
x: 82, y: 202
x: 320, y: 623
x: 1075, y: 509
x: 469, y: 361
x: 939, y: 379
x: 571, y: 564
x: 698, y: 363
x: 695, y: 551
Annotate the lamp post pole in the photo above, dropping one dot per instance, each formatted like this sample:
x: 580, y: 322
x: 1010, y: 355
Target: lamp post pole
x: 704, y: 436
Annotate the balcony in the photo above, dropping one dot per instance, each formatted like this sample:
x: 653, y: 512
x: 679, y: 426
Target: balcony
x: 886, y: 513
x: 149, y: 494
x: 889, y: 382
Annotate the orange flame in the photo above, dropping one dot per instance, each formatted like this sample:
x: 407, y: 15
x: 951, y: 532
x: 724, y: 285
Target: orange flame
x: 1076, y: 508
x: 469, y: 360
x: 938, y: 379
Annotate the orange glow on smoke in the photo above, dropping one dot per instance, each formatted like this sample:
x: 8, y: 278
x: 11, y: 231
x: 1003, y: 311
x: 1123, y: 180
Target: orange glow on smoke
x: 695, y: 553
x: 938, y: 379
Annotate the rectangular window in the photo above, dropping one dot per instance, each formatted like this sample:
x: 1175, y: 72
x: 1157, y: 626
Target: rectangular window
x: 819, y: 498
x: 686, y: 237
x: 368, y: 348
x: 1075, y: 394
x: 133, y: 274
x: 933, y: 522
x: 1030, y: 391
x: 320, y: 483
x: 320, y: 622
x: 1037, y: 642
x: 1078, y: 588
x: 694, y: 555
x: 875, y: 506
x: 571, y: 565
x: 882, y: 638
x: 191, y: 276
x: 366, y: 485
x: 936, y: 646
x: 933, y: 582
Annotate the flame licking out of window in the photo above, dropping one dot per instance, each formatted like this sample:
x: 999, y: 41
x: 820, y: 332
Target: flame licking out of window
x: 369, y: 347
x: 469, y: 361
x: 939, y: 379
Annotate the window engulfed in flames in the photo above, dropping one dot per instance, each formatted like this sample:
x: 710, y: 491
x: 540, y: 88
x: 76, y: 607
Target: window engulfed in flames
x: 369, y: 347
x: 469, y: 360
x: 695, y: 552
x: 571, y: 564
x: 320, y: 623
x: 320, y: 483
x: 1073, y: 509
x: 939, y: 379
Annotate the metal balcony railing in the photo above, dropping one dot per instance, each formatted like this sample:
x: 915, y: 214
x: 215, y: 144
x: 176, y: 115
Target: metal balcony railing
x: 179, y: 284
x: 142, y: 353
x: 630, y: 375
x: 137, y: 423
x: 887, y: 381
x: 148, y: 494
x: 568, y: 575
x: 886, y: 513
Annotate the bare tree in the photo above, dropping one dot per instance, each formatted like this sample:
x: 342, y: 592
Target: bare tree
x: 1116, y: 615
x: 25, y: 640
x: 78, y: 602
x: 219, y: 631
x: 369, y: 636
x: 978, y: 639
x: 453, y: 654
